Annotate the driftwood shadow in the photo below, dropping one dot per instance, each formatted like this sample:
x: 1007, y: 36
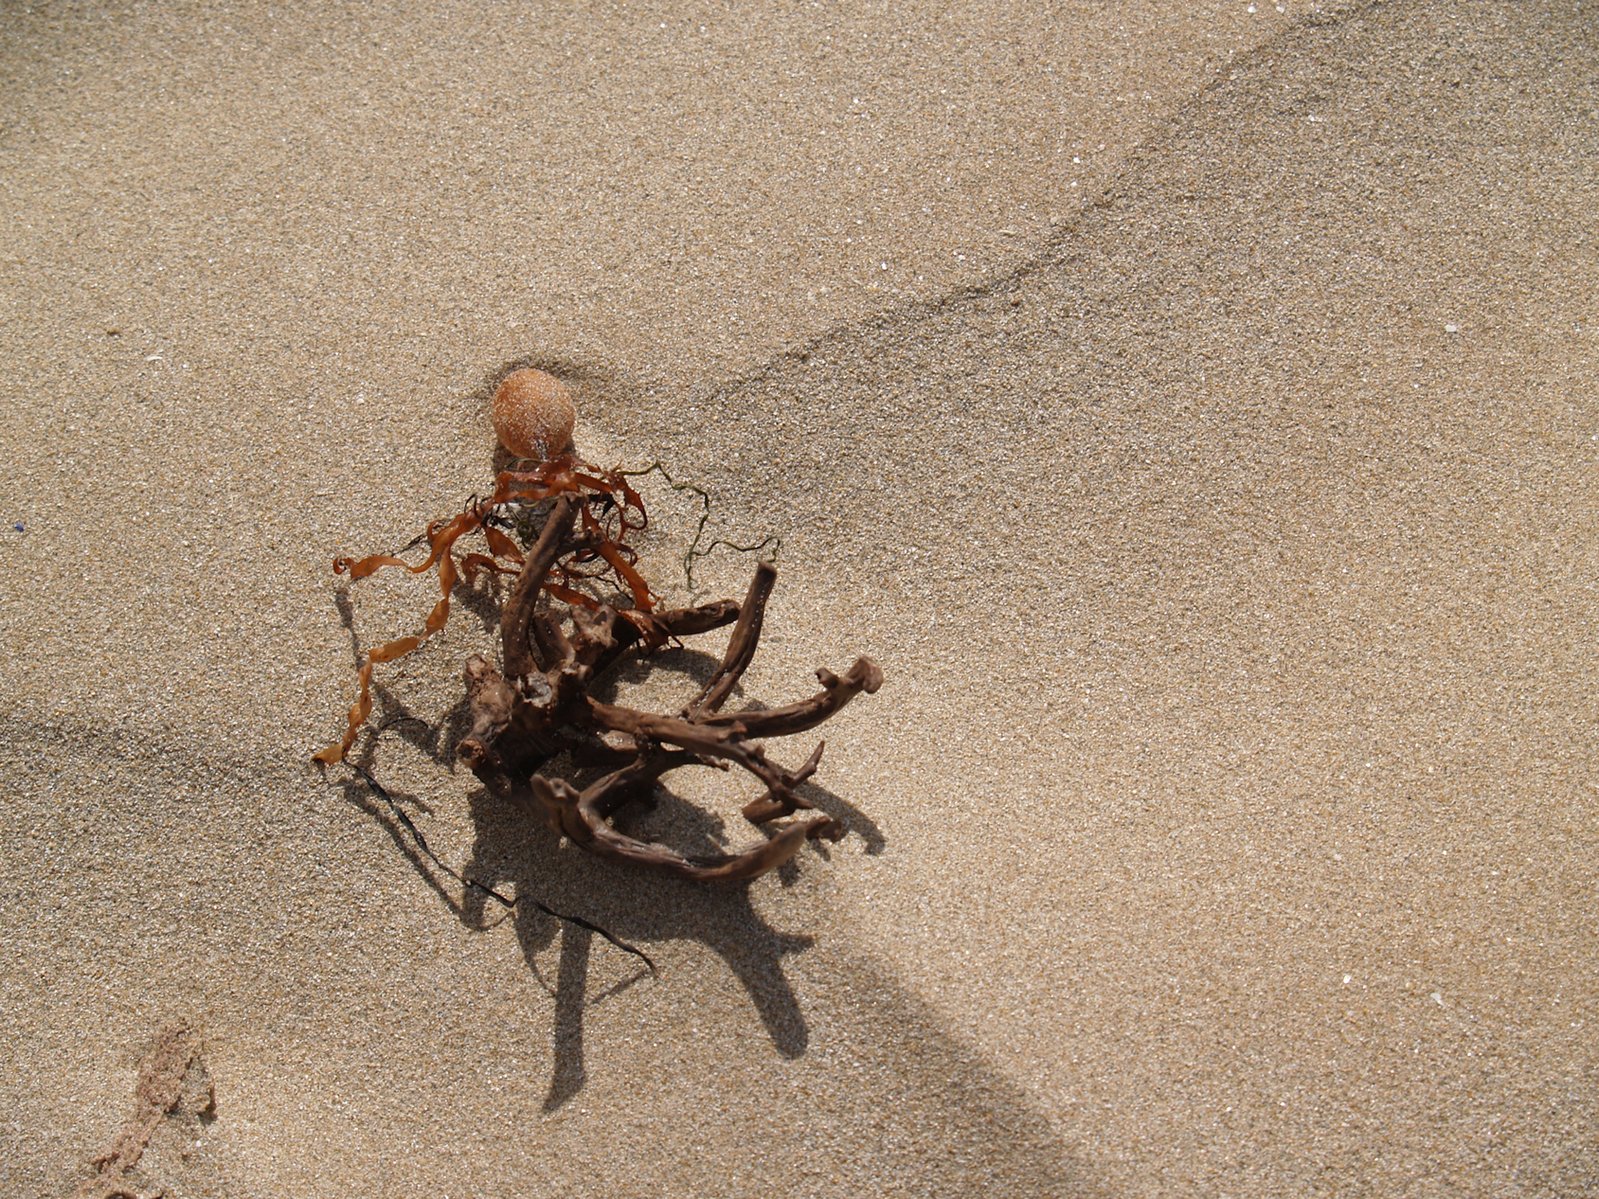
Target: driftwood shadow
x: 515, y: 856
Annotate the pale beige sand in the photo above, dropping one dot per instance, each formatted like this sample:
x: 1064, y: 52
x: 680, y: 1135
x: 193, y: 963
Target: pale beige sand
x: 1228, y: 529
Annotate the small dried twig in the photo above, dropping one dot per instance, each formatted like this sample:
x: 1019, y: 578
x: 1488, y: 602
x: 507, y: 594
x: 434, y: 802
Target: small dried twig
x: 695, y: 550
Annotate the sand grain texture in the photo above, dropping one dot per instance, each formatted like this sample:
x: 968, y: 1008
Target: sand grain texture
x: 1228, y: 531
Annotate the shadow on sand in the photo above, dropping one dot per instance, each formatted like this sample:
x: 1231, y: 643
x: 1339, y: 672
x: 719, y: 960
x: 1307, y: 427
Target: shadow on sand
x: 518, y: 862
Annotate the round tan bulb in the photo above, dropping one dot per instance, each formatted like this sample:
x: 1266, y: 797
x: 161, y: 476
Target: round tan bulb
x: 533, y: 414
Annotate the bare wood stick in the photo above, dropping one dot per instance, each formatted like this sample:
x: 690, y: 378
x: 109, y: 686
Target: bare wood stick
x: 492, y: 704
x: 550, y: 639
x: 516, y: 619
x: 543, y: 703
x: 836, y: 691
x: 779, y: 802
x: 741, y: 646
x: 578, y: 817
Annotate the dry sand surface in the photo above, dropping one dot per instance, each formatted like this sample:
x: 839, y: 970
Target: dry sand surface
x: 1195, y: 410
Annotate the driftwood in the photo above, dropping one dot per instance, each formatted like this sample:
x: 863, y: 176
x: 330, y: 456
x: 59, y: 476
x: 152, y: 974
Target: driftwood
x: 542, y: 705
x: 558, y: 643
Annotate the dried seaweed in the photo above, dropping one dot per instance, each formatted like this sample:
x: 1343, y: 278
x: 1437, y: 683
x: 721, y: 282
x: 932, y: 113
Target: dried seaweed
x: 771, y: 545
x: 604, y: 539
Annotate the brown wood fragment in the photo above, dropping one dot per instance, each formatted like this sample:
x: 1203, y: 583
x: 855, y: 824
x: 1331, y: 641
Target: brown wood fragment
x: 564, y: 712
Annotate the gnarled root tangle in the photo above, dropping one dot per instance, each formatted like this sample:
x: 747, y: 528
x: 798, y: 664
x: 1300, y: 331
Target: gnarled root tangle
x: 556, y: 646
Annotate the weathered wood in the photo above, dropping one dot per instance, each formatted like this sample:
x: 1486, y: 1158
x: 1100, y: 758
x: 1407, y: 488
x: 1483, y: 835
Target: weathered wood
x: 519, y: 720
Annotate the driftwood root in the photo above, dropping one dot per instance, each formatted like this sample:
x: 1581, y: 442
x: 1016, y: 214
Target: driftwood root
x: 558, y: 641
x: 543, y: 704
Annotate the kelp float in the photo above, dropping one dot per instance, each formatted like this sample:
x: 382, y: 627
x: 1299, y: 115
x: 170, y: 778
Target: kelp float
x: 576, y: 606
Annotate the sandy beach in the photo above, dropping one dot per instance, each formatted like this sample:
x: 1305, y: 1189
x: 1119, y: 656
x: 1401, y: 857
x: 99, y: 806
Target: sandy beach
x: 1195, y: 410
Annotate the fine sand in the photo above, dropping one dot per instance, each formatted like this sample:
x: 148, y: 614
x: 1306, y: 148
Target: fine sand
x: 1194, y: 409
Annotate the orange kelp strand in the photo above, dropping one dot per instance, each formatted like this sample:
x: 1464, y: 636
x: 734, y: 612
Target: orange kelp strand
x: 643, y: 598
x: 631, y: 500
x: 362, y: 708
x: 502, y: 546
x: 472, y: 564
x: 441, y: 534
x: 366, y: 566
x: 567, y: 596
x: 612, y: 553
x: 441, y: 610
x: 546, y: 480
